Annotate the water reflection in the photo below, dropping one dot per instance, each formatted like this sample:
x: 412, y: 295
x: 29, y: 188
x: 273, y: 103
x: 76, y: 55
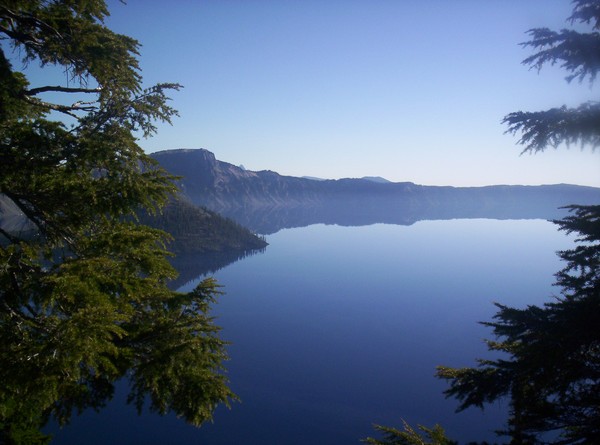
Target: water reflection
x: 362, y: 212
x: 268, y: 220
x: 192, y: 266
x: 334, y: 328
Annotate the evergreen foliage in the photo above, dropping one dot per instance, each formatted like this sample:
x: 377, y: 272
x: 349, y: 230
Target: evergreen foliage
x: 410, y: 436
x: 579, y: 54
x: 198, y: 230
x: 548, y: 358
x: 550, y: 366
x: 85, y: 302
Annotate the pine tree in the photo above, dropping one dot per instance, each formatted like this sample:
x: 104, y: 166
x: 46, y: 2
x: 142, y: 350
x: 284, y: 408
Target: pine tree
x: 548, y: 365
x: 83, y: 287
x: 410, y: 436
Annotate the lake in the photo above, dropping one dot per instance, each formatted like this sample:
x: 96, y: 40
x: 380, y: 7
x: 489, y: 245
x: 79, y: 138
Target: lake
x: 336, y: 328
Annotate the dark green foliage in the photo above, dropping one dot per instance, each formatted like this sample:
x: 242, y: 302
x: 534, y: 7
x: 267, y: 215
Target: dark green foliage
x: 393, y: 436
x: 547, y: 359
x: 197, y: 230
x: 550, y: 369
x: 579, y: 54
x: 542, y: 129
x: 84, y: 302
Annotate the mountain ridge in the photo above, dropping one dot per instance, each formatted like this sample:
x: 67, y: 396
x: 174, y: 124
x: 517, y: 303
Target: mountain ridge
x: 222, y: 187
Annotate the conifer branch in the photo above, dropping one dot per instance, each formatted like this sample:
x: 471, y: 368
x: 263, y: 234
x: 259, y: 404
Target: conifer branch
x: 59, y: 89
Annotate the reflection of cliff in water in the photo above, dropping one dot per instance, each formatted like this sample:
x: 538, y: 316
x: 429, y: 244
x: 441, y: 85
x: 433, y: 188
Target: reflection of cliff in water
x: 193, y: 266
x: 360, y: 209
x: 360, y: 212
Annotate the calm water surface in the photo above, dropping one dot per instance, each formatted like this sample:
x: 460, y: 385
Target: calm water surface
x: 335, y: 328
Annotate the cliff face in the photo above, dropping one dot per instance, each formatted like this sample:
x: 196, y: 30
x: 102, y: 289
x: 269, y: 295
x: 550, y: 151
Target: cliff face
x: 201, y: 165
x: 221, y: 186
x: 226, y: 188
x: 218, y: 185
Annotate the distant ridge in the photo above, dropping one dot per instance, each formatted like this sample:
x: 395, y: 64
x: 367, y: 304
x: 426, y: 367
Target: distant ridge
x: 312, y: 178
x: 376, y: 179
x: 225, y: 188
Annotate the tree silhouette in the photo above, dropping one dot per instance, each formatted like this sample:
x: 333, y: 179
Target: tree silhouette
x: 546, y: 359
x: 548, y: 364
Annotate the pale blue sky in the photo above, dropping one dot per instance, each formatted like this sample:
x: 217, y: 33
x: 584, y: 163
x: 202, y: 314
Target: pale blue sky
x: 409, y: 90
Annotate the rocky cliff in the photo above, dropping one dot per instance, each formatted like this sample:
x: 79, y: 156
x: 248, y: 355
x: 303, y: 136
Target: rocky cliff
x: 235, y: 191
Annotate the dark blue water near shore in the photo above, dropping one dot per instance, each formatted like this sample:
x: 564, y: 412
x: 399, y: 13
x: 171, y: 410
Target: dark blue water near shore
x: 335, y: 328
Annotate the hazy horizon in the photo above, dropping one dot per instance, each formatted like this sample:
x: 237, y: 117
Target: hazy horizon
x: 409, y: 91
x: 374, y: 176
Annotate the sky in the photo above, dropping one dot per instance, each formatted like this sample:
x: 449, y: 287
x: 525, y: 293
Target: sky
x: 410, y: 90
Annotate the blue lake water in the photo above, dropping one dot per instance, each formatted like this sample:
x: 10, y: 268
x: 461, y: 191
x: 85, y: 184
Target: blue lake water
x: 336, y: 328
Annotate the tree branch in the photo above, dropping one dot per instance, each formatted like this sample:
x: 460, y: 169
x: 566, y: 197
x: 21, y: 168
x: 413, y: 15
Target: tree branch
x: 578, y: 53
x: 60, y: 89
x: 66, y: 109
x: 542, y: 129
x: 24, y: 38
x: 25, y: 209
x: 9, y: 236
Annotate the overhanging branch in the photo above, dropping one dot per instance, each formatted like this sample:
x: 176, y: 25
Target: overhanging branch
x: 60, y: 89
x: 66, y: 109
